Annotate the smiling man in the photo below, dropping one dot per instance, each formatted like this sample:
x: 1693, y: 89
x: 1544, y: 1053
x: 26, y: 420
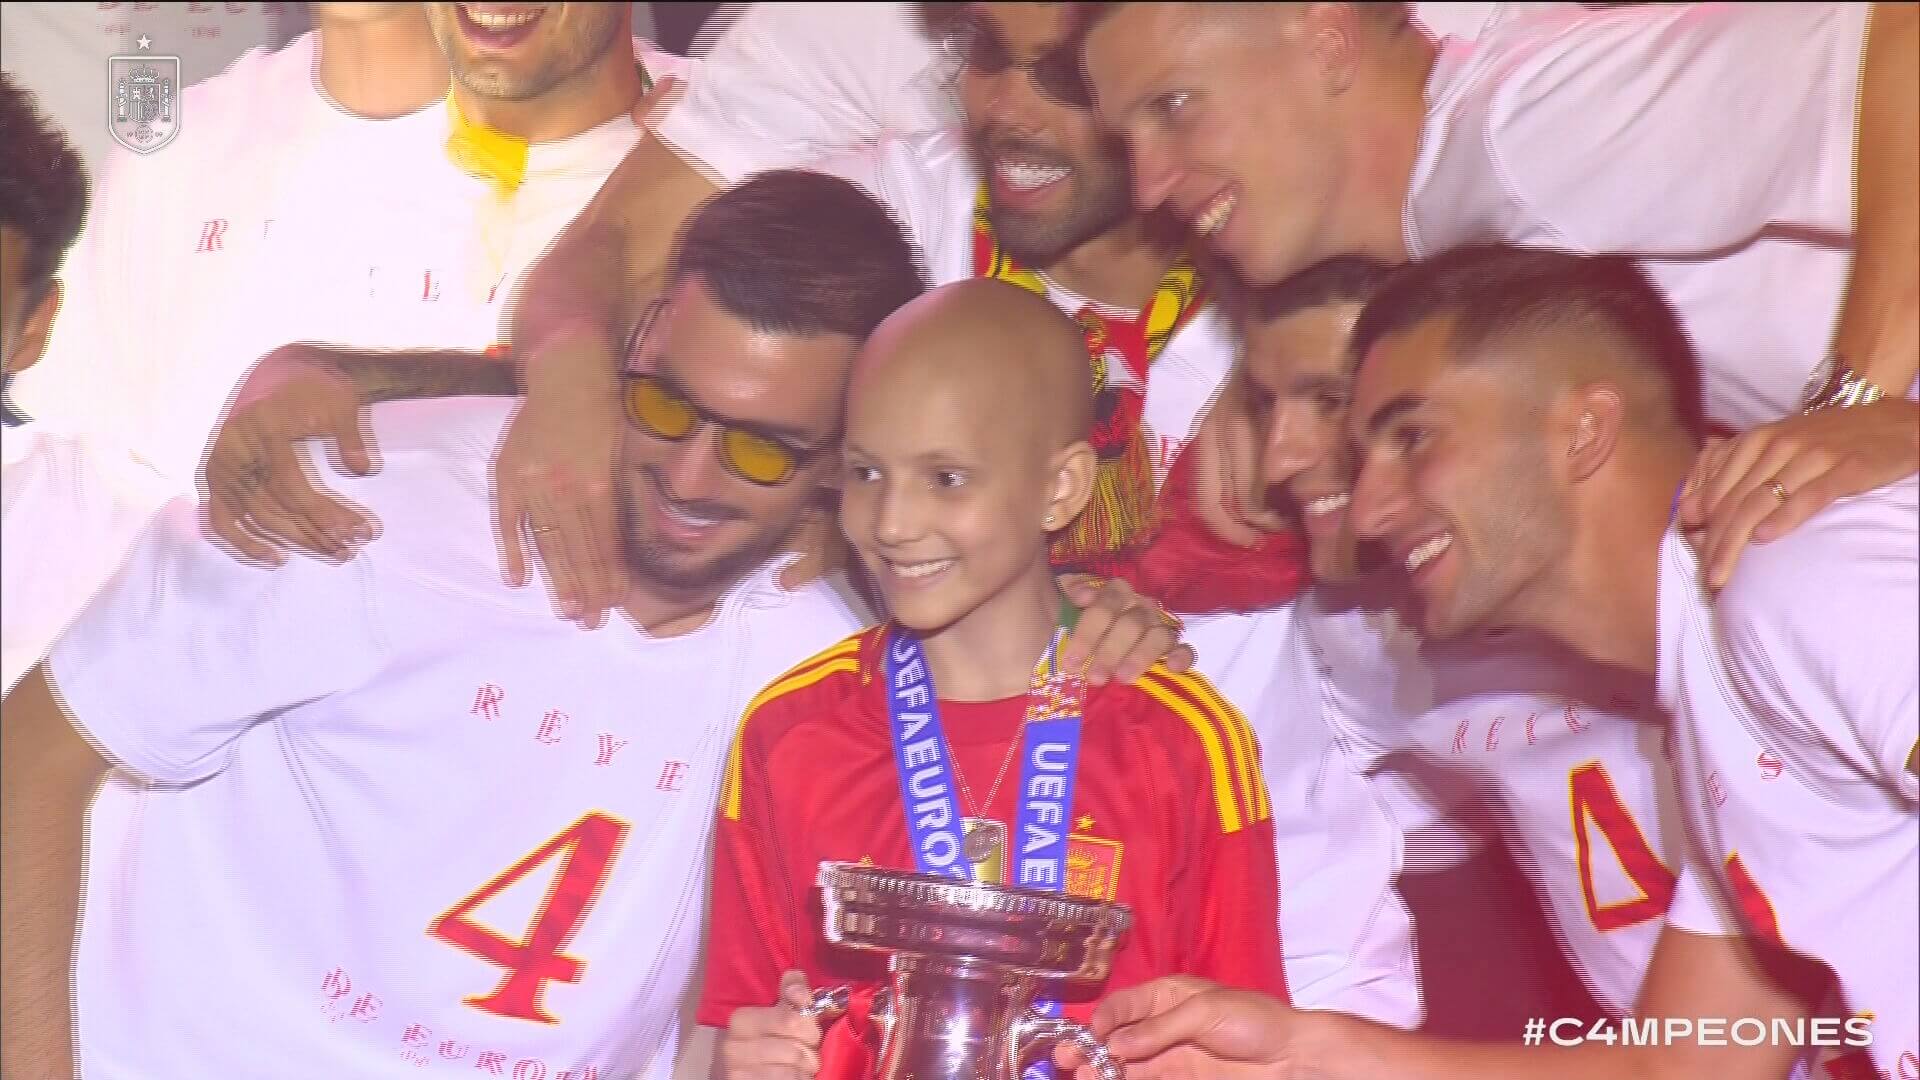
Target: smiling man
x: 1291, y: 133
x: 1565, y: 752
x: 393, y: 819
x: 1524, y: 420
x: 1030, y: 190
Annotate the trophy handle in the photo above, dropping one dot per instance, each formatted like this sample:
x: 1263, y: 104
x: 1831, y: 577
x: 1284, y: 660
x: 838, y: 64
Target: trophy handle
x: 1032, y: 1033
x: 829, y: 1004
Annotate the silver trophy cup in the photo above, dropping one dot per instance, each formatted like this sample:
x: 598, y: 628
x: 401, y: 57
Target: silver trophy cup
x: 967, y: 962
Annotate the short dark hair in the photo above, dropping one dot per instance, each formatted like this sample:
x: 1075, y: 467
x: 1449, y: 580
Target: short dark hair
x: 1342, y: 279
x: 43, y: 187
x: 797, y: 252
x: 1497, y: 291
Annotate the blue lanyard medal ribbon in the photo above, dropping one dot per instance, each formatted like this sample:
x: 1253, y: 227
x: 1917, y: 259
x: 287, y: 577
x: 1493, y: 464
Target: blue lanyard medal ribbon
x: 1049, y: 762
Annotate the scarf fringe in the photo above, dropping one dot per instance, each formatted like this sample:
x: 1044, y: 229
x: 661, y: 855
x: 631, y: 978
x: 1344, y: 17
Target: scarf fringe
x: 1119, y: 515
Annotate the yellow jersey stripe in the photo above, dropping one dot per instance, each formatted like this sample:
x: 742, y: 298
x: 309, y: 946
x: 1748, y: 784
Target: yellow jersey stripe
x: 1252, y: 781
x: 730, y: 788
x: 1210, y: 741
x: 842, y: 657
x: 849, y: 648
x: 1233, y: 732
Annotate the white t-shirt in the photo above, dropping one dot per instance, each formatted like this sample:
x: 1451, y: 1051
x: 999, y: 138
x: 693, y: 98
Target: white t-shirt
x: 59, y: 51
x: 379, y: 777
x: 281, y: 218
x: 930, y: 183
x: 1566, y: 754
x: 153, y: 278
x: 1345, y: 934
x: 1712, y: 141
x: 49, y: 487
x: 1797, y: 708
x: 276, y: 217
x: 782, y: 85
x: 1472, y: 20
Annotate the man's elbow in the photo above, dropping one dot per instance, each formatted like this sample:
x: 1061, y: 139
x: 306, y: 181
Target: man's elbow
x: 606, y: 265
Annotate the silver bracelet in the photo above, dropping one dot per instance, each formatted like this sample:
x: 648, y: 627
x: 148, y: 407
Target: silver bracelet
x: 1836, y: 386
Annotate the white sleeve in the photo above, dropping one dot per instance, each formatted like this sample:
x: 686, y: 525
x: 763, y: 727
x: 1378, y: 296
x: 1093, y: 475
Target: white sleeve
x: 661, y: 64
x: 787, y: 84
x: 1656, y: 131
x: 1346, y: 935
x: 65, y: 527
x: 187, y: 648
x: 1820, y: 636
x: 1345, y: 932
x: 920, y: 180
x: 75, y: 503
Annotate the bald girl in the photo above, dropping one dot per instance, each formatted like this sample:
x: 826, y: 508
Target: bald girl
x: 966, y: 446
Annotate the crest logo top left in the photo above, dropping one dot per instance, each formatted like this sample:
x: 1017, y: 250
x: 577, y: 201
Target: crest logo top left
x: 143, y: 100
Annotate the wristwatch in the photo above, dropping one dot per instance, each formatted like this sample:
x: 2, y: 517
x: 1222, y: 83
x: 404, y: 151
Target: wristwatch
x: 1834, y: 385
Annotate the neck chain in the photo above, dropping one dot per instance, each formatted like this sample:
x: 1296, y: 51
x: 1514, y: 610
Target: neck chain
x: 1050, y: 693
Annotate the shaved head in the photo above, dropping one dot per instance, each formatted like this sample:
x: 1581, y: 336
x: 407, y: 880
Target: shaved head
x: 992, y: 347
x: 966, y: 447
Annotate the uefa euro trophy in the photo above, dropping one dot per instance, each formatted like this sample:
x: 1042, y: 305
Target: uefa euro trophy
x: 967, y: 963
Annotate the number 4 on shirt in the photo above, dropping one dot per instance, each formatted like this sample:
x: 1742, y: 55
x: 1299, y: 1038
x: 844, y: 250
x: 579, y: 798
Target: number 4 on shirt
x: 587, y: 849
x: 1596, y: 802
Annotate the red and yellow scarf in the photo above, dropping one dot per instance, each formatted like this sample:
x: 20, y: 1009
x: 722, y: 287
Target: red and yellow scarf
x: 1120, y: 516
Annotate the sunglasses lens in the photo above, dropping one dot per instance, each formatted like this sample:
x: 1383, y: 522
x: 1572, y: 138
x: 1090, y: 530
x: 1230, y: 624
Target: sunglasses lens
x: 983, y: 52
x: 758, y: 459
x: 659, y: 410
x: 1059, y: 76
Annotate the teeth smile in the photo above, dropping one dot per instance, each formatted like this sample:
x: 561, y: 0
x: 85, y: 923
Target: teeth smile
x: 1327, y: 504
x: 1427, y: 552
x: 1215, y: 215
x: 1022, y: 176
x: 686, y: 519
x: 920, y: 569
x: 491, y: 20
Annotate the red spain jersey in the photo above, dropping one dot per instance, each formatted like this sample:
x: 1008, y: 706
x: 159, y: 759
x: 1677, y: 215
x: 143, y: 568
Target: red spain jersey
x: 1170, y: 819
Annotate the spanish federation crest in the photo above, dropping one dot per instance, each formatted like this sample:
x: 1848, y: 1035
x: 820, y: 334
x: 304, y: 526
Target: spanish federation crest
x: 143, y: 101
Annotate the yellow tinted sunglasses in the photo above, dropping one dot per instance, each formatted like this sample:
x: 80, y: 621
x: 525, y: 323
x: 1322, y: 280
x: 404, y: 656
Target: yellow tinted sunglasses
x: 663, y: 411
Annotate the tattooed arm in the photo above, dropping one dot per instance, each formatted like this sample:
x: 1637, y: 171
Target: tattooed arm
x: 391, y: 376
x: 262, y: 497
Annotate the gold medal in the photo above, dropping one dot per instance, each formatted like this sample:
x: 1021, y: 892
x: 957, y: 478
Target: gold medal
x: 984, y: 843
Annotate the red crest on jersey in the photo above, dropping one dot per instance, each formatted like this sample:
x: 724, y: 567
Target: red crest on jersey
x: 1093, y: 868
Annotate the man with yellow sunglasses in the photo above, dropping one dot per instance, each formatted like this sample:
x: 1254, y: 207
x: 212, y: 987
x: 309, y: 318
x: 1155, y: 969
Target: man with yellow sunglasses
x: 351, y: 771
